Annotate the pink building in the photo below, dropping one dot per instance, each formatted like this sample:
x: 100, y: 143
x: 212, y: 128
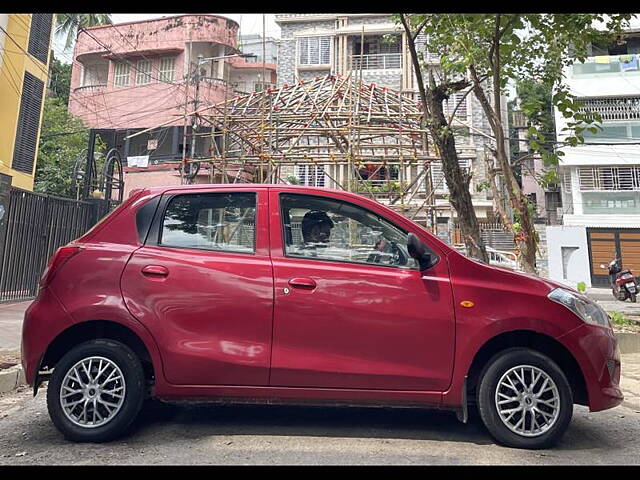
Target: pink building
x: 132, y: 76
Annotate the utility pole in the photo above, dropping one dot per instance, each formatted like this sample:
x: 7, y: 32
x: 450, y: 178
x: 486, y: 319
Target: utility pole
x: 186, y: 106
x: 195, y: 108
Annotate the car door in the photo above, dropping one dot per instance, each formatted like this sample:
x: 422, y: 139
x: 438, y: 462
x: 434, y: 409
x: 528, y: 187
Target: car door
x: 355, y: 312
x: 203, y: 285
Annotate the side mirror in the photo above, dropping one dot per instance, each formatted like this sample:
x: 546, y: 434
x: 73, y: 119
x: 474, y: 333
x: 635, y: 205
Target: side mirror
x: 419, y: 251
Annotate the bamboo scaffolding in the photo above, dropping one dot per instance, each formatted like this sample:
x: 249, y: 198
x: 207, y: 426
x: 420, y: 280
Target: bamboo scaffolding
x: 338, y: 123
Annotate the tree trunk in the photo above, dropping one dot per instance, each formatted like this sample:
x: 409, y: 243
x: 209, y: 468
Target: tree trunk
x: 525, y: 235
x: 457, y: 181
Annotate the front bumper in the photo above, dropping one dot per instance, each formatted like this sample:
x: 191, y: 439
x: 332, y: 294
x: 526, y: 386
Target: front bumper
x: 598, y: 355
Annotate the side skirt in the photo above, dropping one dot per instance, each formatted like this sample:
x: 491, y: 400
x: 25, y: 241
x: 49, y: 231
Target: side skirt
x: 302, y: 396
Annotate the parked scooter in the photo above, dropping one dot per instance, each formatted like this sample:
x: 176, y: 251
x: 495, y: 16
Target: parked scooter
x: 623, y: 284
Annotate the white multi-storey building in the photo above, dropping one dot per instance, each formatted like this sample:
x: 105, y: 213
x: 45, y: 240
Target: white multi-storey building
x: 601, y: 179
x: 373, y: 47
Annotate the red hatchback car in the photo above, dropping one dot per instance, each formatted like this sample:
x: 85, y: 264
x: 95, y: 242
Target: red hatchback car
x: 276, y: 293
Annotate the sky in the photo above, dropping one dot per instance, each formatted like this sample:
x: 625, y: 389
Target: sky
x: 249, y: 23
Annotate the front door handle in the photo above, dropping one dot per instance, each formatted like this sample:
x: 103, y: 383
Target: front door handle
x: 155, y: 271
x: 307, y: 283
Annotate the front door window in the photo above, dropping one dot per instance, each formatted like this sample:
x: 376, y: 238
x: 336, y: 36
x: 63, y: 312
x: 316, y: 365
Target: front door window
x: 328, y: 229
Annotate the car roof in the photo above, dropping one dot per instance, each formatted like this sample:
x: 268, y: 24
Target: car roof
x: 215, y: 186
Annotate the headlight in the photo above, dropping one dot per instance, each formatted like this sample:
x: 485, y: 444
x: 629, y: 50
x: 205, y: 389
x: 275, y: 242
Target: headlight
x: 588, y: 311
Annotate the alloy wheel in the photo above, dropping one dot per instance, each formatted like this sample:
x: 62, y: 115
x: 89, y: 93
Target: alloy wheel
x: 527, y: 400
x: 93, y: 392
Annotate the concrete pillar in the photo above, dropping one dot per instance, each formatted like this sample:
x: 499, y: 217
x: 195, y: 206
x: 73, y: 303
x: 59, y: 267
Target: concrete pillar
x: 575, y: 191
x: 221, y: 63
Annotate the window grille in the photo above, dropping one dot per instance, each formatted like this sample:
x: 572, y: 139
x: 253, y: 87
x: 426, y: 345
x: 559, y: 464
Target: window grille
x: 314, y: 50
x: 452, y: 102
x: 121, y: 75
x: 167, y: 69
x: 143, y: 72
x: 24, y: 152
x: 618, y: 108
x: 40, y: 35
x: 609, y: 178
x: 566, y: 181
x: 437, y: 175
x: 311, y: 175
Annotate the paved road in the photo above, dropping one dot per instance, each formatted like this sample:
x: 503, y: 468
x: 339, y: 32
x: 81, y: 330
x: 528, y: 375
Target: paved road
x: 198, y: 434
x: 11, y: 316
x: 605, y: 298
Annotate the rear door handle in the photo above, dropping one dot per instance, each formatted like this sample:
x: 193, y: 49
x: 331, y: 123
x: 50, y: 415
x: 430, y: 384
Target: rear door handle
x: 307, y: 283
x: 155, y: 271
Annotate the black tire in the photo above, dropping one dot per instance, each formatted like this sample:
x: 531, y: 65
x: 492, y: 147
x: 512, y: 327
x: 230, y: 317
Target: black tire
x: 134, y: 380
x: 498, y: 366
x: 633, y: 298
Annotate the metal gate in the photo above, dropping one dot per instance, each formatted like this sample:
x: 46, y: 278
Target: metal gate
x: 36, y: 225
x: 605, y: 244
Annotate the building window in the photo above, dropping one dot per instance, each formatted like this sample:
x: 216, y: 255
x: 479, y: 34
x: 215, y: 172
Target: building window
x: 121, y: 75
x: 143, y: 72
x: 24, y: 152
x: 437, y: 174
x: 311, y: 175
x: 39, y: 35
x: 95, y: 74
x: 456, y: 100
x: 314, y: 51
x: 167, y: 69
x: 609, y: 178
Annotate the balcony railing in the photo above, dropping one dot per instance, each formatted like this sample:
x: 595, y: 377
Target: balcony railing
x: 382, y: 61
x: 90, y: 88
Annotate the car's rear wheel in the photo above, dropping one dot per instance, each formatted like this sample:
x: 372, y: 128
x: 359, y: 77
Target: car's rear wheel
x: 524, y: 399
x: 96, y: 391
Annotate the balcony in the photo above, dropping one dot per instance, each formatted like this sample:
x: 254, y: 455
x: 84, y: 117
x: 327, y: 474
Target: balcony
x: 90, y: 88
x: 383, y: 61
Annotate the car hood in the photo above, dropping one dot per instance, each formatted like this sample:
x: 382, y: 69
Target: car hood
x: 504, y: 277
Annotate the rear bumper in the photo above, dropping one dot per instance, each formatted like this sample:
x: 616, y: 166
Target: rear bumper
x: 597, y: 352
x: 43, y: 321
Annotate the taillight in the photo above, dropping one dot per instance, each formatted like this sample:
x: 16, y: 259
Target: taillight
x: 57, y: 260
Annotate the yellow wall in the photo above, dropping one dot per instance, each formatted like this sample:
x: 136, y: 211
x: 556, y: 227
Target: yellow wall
x: 12, y: 67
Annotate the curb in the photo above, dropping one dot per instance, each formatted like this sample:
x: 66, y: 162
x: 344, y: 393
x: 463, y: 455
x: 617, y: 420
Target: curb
x: 11, y: 379
x: 628, y: 342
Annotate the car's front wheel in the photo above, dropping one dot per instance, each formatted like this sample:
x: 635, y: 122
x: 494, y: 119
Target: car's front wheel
x: 524, y: 399
x: 96, y: 391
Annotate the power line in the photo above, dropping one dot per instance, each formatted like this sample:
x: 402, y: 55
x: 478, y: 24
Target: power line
x: 43, y: 70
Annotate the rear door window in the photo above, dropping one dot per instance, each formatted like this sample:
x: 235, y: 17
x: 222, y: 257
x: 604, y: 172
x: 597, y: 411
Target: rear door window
x: 211, y: 221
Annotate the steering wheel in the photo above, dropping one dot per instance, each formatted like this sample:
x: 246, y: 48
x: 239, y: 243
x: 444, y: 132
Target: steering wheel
x: 399, y: 257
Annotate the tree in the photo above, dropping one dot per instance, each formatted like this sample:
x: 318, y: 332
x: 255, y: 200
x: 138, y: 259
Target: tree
x: 491, y: 50
x: 535, y: 102
x: 60, y: 80
x: 432, y: 96
x: 63, y: 139
x: 68, y: 24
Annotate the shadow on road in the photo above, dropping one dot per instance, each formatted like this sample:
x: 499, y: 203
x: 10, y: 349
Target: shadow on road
x: 196, y: 421
x: 201, y: 420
